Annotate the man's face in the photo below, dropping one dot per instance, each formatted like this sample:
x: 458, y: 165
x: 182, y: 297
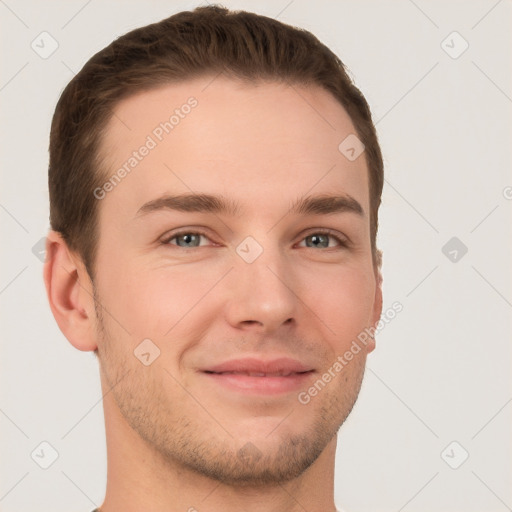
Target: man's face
x: 265, y: 283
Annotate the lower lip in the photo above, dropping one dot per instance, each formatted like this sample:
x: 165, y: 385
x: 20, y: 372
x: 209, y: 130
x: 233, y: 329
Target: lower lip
x: 261, y: 385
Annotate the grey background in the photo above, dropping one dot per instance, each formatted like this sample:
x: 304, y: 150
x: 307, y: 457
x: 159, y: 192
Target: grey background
x: 441, y: 370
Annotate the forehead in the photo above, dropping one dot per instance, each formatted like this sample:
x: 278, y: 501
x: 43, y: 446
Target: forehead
x: 257, y: 143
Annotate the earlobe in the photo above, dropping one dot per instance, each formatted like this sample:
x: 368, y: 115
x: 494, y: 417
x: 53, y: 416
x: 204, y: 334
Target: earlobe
x: 69, y: 292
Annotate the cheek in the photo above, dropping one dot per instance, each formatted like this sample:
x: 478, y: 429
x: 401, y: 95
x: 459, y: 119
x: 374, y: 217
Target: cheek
x: 343, y: 300
x: 158, y: 302
x: 129, y: 296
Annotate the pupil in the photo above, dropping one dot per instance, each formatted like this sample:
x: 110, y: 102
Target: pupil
x: 188, y: 238
x: 317, y: 240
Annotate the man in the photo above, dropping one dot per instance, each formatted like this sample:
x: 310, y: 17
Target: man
x: 215, y: 180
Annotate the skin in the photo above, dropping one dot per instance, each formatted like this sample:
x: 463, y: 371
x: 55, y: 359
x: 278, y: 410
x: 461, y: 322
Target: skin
x: 175, y: 440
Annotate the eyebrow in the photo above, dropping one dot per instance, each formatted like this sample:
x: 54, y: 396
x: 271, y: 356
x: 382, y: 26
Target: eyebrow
x: 207, y: 203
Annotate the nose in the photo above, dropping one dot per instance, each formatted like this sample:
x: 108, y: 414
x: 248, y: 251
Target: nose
x: 261, y: 293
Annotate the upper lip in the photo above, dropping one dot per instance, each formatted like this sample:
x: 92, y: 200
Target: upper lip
x: 280, y: 366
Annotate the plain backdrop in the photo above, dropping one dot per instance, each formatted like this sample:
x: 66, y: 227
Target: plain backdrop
x: 431, y: 428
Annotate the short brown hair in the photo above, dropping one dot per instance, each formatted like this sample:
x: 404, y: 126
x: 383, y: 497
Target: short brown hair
x: 187, y: 45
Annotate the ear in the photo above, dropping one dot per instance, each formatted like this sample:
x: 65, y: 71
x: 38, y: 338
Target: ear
x: 70, y: 294
x: 377, y: 302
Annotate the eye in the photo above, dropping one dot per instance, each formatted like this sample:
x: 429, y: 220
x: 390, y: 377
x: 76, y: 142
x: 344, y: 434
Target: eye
x: 322, y: 238
x: 185, y: 239
x: 318, y: 239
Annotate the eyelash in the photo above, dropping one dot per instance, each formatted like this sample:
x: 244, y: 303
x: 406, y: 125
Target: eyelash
x: 342, y: 243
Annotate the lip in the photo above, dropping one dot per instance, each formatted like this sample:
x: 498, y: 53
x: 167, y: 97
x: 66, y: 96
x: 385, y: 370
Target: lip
x: 257, y: 376
x: 282, y: 365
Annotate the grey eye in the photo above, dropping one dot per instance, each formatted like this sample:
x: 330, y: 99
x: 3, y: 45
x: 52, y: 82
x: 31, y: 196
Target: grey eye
x: 188, y: 239
x: 317, y: 240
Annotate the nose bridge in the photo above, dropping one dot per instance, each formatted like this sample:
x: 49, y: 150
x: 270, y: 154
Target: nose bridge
x: 261, y: 289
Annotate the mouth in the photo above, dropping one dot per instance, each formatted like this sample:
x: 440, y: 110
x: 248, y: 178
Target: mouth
x: 260, y: 374
x: 258, y: 377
